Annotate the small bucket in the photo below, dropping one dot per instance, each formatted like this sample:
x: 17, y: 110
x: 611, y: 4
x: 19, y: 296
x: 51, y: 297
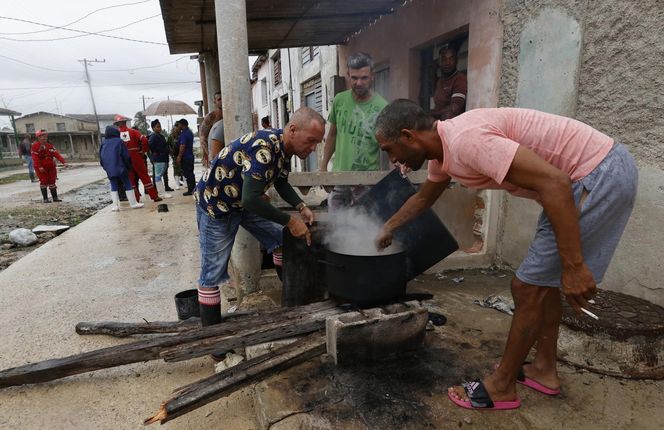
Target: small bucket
x: 186, y: 304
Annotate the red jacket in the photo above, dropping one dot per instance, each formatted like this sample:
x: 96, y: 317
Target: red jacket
x: 42, y: 155
x: 134, y: 140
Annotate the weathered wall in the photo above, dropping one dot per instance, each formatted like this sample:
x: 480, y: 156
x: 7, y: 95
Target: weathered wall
x: 619, y: 90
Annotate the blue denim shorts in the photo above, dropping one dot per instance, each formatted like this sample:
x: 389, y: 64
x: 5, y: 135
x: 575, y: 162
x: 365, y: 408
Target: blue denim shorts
x: 610, y: 191
x: 217, y: 235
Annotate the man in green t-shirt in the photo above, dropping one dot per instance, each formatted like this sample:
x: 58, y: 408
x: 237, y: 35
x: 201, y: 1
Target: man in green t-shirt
x: 351, y: 136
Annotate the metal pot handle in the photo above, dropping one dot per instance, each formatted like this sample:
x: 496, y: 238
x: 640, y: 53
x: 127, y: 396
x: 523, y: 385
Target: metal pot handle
x: 339, y: 266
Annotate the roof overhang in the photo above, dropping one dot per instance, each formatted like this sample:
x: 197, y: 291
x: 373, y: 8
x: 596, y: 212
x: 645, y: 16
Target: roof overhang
x: 9, y: 112
x: 190, y: 24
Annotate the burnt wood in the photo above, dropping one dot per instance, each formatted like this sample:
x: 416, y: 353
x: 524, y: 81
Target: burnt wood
x: 193, y: 396
x: 250, y: 336
x: 143, y: 350
x: 120, y: 329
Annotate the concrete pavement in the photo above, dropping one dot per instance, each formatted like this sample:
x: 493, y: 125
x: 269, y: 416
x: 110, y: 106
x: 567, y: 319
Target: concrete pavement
x: 115, y: 266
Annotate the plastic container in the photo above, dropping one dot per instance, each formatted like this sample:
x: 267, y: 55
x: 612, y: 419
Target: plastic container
x: 186, y: 304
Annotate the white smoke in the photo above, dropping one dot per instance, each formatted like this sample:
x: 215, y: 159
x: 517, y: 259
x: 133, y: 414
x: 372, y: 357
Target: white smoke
x: 352, y: 231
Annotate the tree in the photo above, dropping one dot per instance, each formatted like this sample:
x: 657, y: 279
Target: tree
x: 141, y: 122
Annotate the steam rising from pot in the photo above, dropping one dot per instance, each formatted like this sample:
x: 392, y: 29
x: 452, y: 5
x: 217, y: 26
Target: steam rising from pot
x: 352, y: 231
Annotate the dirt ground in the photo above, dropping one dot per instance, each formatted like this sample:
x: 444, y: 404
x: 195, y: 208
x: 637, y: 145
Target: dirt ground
x: 77, y: 206
x: 410, y: 391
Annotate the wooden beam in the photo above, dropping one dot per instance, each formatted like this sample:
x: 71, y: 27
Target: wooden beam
x: 120, y: 329
x: 193, y: 396
x: 250, y: 336
x: 143, y: 350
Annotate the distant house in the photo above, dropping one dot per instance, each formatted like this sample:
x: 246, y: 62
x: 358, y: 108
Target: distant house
x: 104, y: 119
x: 8, y: 146
x: 74, y: 136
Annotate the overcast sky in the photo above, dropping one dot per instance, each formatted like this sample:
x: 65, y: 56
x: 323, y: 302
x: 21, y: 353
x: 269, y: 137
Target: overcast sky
x: 40, y: 74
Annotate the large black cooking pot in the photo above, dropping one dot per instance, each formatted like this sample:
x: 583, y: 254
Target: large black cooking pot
x: 366, y: 280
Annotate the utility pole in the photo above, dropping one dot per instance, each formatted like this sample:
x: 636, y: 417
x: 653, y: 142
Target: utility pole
x: 85, y: 62
x: 144, y: 99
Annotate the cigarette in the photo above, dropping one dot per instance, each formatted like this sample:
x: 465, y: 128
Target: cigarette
x: 590, y: 314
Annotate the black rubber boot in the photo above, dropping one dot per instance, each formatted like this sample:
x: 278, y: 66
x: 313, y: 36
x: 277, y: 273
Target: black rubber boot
x: 123, y: 194
x: 54, y: 194
x: 164, y: 178
x: 44, y: 192
x: 211, y: 315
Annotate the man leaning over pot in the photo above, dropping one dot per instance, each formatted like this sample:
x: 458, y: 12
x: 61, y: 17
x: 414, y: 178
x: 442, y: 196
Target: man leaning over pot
x: 586, y: 184
x: 230, y: 195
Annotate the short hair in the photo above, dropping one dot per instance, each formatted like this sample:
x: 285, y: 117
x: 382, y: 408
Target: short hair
x: 400, y: 114
x: 184, y: 122
x: 359, y: 60
x: 447, y: 48
x: 217, y: 92
x: 265, y: 119
x: 154, y: 122
x: 303, y: 117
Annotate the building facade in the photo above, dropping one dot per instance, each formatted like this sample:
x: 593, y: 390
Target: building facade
x: 75, y: 139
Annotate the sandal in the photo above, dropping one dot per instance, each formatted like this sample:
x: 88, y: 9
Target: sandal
x: 479, y: 398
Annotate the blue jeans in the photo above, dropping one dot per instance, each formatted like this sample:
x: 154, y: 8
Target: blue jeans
x: 217, y: 235
x: 31, y: 169
x: 159, y: 168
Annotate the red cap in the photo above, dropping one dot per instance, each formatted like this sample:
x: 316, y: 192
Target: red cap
x: 120, y: 118
x: 41, y: 132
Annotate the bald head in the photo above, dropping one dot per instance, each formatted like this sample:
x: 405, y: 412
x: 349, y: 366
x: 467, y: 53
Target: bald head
x: 303, y: 117
x: 303, y: 132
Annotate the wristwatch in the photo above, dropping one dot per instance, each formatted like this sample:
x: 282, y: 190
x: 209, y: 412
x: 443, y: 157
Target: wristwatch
x: 300, y: 206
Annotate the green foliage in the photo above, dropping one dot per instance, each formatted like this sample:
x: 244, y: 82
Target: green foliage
x: 141, y: 122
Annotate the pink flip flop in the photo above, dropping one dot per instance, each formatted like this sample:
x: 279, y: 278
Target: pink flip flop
x: 479, y: 398
x: 531, y: 383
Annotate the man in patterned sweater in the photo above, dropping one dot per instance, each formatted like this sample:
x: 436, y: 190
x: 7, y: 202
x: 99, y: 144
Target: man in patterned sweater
x: 230, y: 195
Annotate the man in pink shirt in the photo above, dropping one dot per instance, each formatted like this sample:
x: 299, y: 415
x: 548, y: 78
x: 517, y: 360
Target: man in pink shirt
x: 586, y: 185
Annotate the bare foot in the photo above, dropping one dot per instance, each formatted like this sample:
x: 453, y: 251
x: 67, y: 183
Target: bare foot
x: 548, y: 378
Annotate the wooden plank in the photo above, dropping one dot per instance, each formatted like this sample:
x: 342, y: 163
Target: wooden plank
x: 250, y: 336
x: 193, y: 396
x: 143, y: 350
x: 120, y: 329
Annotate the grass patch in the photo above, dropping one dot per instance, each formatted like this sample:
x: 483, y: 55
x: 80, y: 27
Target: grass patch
x: 14, y: 178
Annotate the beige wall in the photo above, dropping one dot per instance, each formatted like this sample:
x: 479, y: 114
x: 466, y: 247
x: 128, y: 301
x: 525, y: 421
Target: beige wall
x: 396, y: 39
x: 49, y: 123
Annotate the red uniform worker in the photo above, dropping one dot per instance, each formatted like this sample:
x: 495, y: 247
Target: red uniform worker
x: 42, y: 158
x: 137, y: 144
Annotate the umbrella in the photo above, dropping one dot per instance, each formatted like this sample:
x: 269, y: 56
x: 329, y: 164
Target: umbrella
x: 169, y: 107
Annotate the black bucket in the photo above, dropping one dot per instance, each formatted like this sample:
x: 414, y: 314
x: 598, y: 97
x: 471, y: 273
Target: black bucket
x: 186, y: 304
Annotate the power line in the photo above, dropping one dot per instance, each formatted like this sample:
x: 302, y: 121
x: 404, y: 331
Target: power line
x: 80, y: 19
x: 102, y: 85
x: 76, y: 31
x: 39, y: 67
x: 143, y: 67
x: 78, y: 71
x: 99, y: 33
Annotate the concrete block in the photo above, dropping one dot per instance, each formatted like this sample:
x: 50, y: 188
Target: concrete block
x: 375, y: 333
x: 228, y: 362
x: 253, y: 351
